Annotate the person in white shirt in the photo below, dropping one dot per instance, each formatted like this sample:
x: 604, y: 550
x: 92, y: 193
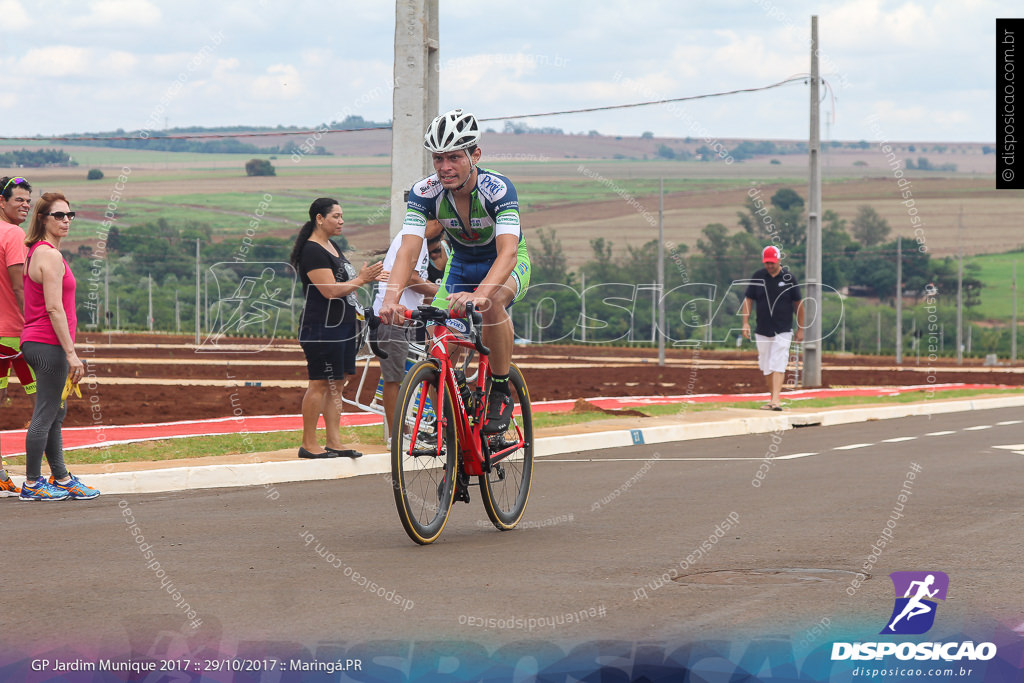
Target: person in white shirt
x: 395, y: 339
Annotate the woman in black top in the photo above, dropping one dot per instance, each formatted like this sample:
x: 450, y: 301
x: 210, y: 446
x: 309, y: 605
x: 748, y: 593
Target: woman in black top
x: 327, y: 330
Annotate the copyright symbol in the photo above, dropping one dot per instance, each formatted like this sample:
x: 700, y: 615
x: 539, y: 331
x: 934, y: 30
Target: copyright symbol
x: 1007, y: 174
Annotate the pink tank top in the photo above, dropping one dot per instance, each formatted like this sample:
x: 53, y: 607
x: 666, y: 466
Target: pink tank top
x: 38, y: 327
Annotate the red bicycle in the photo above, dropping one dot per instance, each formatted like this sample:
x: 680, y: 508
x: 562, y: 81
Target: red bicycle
x: 435, y: 452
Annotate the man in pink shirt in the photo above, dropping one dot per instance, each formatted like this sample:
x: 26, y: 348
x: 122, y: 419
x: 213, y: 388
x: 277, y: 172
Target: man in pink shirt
x: 15, y: 201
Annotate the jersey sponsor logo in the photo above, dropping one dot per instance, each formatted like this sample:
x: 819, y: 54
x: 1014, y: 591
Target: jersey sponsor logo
x: 492, y: 186
x: 510, y: 205
x: 508, y: 218
x: 428, y: 187
x: 415, y: 220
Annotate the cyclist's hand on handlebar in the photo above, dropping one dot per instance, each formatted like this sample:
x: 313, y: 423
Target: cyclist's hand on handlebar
x: 457, y: 302
x: 392, y: 314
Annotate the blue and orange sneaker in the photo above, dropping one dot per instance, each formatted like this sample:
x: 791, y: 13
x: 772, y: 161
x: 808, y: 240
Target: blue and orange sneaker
x: 42, y: 490
x: 75, y: 488
x: 8, y: 488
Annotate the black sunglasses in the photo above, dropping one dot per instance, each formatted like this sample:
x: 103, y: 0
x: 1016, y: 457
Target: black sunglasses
x: 61, y: 215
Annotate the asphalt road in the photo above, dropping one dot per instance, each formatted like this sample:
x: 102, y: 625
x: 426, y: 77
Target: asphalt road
x: 605, y: 536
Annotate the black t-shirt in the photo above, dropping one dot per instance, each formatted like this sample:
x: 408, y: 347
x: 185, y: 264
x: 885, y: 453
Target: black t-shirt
x: 324, y: 318
x: 775, y: 300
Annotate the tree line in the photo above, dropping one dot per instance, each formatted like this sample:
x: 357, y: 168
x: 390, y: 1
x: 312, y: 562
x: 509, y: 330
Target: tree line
x: 859, y: 257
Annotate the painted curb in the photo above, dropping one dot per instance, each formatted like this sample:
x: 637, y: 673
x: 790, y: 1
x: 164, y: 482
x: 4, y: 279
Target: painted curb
x: 267, y: 474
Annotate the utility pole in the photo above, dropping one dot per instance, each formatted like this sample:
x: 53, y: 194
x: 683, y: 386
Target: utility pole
x: 960, y: 290
x: 812, y: 335
x: 1013, y: 326
x: 197, y: 291
x: 415, y: 99
x: 899, y: 301
x: 583, y: 308
x: 150, y: 316
x: 660, y: 292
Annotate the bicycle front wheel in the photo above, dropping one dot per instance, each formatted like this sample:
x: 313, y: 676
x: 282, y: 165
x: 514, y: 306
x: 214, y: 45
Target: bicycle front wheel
x: 423, y: 454
x: 506, y: 488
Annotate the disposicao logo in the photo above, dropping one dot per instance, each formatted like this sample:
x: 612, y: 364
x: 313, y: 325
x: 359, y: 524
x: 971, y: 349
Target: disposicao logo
x: 913, y: 613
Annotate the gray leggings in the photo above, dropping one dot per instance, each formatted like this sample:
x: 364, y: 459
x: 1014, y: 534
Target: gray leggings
x: 50, y: 364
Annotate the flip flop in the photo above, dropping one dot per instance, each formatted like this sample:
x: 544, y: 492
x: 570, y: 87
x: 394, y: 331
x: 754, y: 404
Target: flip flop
x: 777, y: 408
x: 767, y: 406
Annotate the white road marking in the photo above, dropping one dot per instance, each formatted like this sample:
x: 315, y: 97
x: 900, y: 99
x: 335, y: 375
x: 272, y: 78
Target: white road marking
x: 1012, y: 447
x: 939, y: 433
x: 852, y: 446
x: 898, y: 439
x: 1008, y: 422
x: 977, y: 428
x: 644, y: 459
x: 794, y: 456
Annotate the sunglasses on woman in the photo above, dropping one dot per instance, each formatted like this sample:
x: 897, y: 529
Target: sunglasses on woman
x: 61, y: 215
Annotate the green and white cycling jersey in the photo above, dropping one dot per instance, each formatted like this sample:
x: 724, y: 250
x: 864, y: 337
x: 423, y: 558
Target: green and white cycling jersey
x: 493, y: 211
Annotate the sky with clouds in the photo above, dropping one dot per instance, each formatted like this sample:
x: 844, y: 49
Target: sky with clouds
x: 908, y: 70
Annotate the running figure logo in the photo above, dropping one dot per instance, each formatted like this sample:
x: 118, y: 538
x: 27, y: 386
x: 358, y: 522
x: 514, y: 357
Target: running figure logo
x: 914, y: 612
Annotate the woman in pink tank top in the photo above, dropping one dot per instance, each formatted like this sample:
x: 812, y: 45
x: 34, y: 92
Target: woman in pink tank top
x: 48, y: 344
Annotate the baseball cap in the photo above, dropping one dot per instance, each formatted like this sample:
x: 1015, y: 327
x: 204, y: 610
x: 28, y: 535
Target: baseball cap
x: 770, y: 255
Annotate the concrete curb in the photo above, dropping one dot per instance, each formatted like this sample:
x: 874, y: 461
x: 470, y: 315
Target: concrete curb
x: 266, y: 474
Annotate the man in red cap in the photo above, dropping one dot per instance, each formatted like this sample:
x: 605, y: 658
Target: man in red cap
x: 776, y: 294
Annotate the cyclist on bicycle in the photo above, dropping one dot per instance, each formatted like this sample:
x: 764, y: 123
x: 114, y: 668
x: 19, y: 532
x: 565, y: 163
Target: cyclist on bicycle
x: 489, y: 266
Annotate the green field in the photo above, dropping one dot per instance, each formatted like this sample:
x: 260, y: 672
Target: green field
x: 997, y: 274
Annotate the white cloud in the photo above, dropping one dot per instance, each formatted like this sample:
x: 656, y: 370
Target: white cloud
x: 280, y: 82
x: 124, y: 13
x: 14, y: 14
x: 56, y: 61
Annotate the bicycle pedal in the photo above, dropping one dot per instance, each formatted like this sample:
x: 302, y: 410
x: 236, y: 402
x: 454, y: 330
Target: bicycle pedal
x: 461, y: 487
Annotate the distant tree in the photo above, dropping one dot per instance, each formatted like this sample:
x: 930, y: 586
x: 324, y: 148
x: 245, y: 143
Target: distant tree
x: 647, y: 135
x: 94, y: 174
x: 787, y: 198
x: 666, y: 152
x: 868, y: 227
x: 255, y: 167
x: 549, y: 263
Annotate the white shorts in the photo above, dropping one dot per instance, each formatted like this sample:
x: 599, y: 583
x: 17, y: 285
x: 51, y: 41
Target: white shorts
x: 773, y: 352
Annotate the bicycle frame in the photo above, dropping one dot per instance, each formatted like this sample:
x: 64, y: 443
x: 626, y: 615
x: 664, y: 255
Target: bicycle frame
x: 476, y: 461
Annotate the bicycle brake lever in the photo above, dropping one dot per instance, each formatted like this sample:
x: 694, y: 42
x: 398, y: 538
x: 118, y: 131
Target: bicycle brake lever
x: 476, y: 320
x: 373, y: 322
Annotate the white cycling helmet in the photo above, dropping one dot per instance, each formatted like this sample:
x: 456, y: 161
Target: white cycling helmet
x: 452, y: 131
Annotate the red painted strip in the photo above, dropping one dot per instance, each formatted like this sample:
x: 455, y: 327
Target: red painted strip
x: 13, y: 442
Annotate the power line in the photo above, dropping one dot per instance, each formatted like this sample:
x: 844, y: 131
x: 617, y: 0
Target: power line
x: 325, y: 131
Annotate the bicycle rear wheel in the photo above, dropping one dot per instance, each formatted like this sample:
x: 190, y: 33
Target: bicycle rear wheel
x: 423, y: 455
x: 506, y: 488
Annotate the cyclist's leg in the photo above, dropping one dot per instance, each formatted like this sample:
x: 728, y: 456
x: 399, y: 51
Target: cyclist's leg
x: 499, y: 334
